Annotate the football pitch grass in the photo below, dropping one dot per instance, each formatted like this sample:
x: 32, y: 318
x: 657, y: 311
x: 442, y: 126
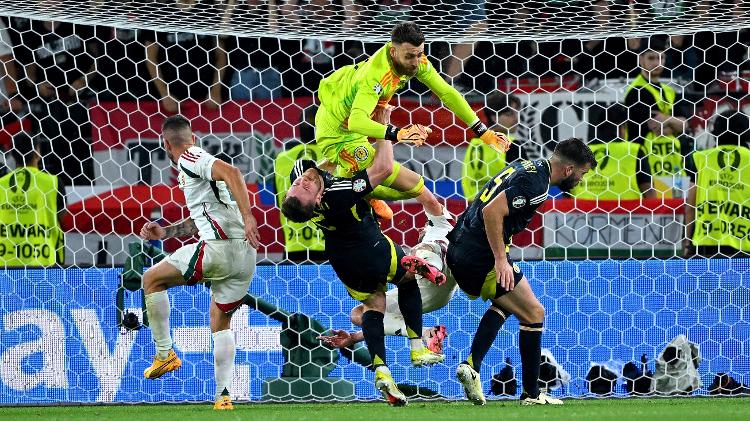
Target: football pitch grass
x: 683, y: 409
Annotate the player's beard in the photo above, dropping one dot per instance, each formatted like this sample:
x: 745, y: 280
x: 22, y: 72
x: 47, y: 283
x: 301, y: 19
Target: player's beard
x: 567, y: 183
x: 403, y: 70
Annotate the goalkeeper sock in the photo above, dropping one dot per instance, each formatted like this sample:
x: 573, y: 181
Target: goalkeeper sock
x: 372, y: 329
x: 157, y: 308
x: 393, y: 324
x: 224, y: 350
x: 490, y: 324
x: 530, y: 345
x: 410, y: 304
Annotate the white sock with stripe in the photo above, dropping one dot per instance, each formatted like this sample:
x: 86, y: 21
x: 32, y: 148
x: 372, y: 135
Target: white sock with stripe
x: 394, y: 325
x: 157, y: 308
x: 224, y: 350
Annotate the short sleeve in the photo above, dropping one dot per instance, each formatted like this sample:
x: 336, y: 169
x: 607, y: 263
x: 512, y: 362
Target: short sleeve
x: 345, y: 192
x: 643, y: 168
x: 690, y: 167
x: 522, y: 192
x: 197, y: 163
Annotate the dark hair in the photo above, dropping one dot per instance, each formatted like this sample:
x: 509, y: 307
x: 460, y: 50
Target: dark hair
x: 24, y: 149
x: 407, y: 32
x: 175, y: 123
x: 500, y: 102
x: 732, y: 127
x: 295, y: 211
x: 574, y: 151
x: 657, y: 43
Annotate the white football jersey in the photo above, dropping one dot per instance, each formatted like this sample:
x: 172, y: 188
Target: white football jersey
x: 211, y: 206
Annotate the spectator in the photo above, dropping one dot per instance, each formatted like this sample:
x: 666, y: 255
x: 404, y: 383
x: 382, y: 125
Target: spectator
x: 30, y: 233
x: 303, y: 242
x: 185, y: 65
x: 717, y: 212
x: 10, y: 102
x: 646, y: 98
x: 254, y: 64
x: 11, y: 105
x: 622, y: 171
x: 59, y: 59
x: 122, y: 71
x: 482, y: 162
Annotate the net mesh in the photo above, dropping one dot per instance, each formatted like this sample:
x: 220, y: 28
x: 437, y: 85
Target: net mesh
x: 95, y: 85
x: 455, y: 20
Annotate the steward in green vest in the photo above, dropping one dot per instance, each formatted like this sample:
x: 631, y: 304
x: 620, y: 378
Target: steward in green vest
x: 647, y: 99
x: 481, y: 162
x: 30, y: 205
x: 717, y: 212
x: 622, y: 173
x: 302, y: 241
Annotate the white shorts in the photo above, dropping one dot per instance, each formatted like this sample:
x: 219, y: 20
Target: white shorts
x: 433, y: 297
x: 228, y: 264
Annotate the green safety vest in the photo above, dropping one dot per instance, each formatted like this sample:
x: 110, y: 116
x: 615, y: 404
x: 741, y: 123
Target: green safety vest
x: 481, y: 164
x: 722, y: 200
x: 614, y: 176
x: 664, y: 155
x: 297, y: 236
x: 664, y: 103
x: 30, y: 233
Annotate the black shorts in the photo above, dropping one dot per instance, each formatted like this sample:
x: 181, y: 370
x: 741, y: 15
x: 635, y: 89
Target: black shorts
x: 474, y: 270
x: 367, y: 267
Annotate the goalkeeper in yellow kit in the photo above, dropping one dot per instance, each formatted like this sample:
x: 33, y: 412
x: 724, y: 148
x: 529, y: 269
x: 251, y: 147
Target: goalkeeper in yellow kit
x: 352, y: 95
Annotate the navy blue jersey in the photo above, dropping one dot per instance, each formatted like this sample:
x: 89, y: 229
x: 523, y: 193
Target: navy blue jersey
x: 344, y: 213
x: 525, y: 184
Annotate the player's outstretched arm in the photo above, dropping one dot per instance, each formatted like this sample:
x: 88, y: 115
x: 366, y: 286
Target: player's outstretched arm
x: 494, y: 214
x: 461, y: 108
x: 341, y: 338
x: 382, y: 165
x: 232, y: 176
x: 153, y: 231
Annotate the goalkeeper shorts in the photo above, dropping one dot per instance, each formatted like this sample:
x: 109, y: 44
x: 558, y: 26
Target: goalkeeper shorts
x: 228, y: 264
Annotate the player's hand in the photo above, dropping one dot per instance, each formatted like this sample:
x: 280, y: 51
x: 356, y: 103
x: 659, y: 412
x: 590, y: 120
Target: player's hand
x: 251, y: 232
x: 414, y: 133
x: 496, y: 141
x: 152, y: 231
x: 504, y: 272
x: 339, y: 339
x: 169, y: 104
x: 383, y: 114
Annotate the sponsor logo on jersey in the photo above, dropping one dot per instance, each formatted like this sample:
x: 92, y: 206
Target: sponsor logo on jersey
x: 359, y: 185
x: 519, y: 202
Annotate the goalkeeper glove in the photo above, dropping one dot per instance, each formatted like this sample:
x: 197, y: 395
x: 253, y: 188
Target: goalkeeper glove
x: 493, y: 139
x: 413, y: 133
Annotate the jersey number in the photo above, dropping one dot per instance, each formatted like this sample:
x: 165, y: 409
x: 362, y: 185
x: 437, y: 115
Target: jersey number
x: 497, y: 181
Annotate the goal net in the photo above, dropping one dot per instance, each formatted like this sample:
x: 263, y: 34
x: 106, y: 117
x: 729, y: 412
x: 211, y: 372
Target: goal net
x: 650, y: 249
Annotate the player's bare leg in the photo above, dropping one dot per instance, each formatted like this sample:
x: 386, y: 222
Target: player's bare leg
x: 224, y: 351
x: 156, y: 281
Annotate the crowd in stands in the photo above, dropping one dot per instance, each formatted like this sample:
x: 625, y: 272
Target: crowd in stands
x: 51, y: 72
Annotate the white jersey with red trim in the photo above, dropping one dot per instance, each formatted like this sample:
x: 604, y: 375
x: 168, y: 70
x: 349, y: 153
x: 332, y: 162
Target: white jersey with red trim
x: 211, y: 206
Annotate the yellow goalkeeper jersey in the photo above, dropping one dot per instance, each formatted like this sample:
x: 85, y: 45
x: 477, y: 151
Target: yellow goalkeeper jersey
x: 349, y: 96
